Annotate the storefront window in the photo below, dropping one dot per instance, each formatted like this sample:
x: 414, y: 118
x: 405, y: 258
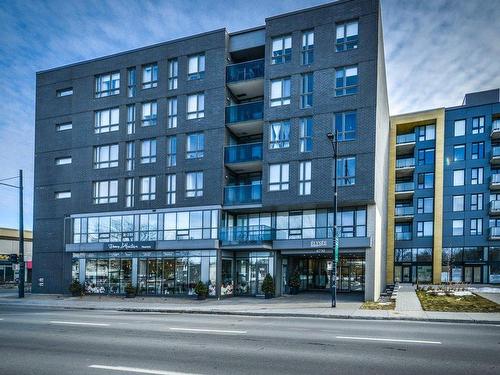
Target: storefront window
x: 227, y: 282
x: 75, y: 270
x: 251, y: 269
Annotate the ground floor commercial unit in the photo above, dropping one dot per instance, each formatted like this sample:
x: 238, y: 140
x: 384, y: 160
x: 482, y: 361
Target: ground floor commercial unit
x: 9, y: 253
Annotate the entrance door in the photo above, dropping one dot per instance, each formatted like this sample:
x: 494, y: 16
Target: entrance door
x: 472, y: 274
x: 406, y: 274
x: 344, y: 279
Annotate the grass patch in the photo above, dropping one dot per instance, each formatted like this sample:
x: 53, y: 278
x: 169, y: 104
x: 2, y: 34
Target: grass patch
x: 378, y: 305
x: 472, y: 303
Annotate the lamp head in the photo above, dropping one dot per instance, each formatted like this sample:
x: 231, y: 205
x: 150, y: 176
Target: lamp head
x: 330, y: 136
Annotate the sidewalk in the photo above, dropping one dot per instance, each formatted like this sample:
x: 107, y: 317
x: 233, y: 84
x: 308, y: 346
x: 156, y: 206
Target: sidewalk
x: 306, y: 305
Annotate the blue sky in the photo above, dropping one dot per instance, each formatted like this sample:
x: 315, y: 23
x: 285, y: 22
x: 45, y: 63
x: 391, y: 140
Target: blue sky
x: 436, y: 50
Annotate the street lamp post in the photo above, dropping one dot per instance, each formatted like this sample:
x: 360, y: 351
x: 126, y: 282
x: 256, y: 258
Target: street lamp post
x: 21, y: 230
x: 333, y: 137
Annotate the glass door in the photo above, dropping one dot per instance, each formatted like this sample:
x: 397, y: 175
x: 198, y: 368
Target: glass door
x: 344, y: 282
x: 406, y: 274
x: 227, y: 284
x: 472, y: 274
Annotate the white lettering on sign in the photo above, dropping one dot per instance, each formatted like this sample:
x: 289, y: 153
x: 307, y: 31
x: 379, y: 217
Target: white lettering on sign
x: 318, y: 243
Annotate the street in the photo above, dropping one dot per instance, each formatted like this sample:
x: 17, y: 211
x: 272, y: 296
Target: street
x: 50, y: 341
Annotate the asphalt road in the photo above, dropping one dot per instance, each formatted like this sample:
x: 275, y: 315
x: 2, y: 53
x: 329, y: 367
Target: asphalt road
x: 49, y: 341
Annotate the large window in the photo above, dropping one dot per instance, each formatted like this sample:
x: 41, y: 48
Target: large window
x: 477, y: 176
x: 306, y: 133
x: 172, y: 113
x: 107, y: 120
x: 129, y: 192
x: 279, y: 177
x: 306, y: 93
x: 106, y: 156
x: 130, y: 158
x: 477, y: 150
x: 150, y: 76
x: 281, y: 49
x: 107, y: 84
x: 426, y: 156
x: 425, y: 205
x: 148, y: 151
x: 458, y: 203
x: 305, y: 178
x: 196, y: 67
x: 105, y: 191
x: 476, y: 227
x: 476, y: 202
x: 458, y: 228
x: 279, y: 136
x: 346, y: 80
x: 425, y: 228
x: 149, y: 113
x: 459, y: 153
x: 459, y: 128
x: 171, y: 188
x: 345, y: 124
x: 478, y: 125
x: 194, y: 184
x: 458, y: 177
x: 195, y: 145
x: 426, y: 133
x: 173, y: 74
x: 147, y: 190
x: 425, y: 180
x: 346, y: 36
x: 107, y: 276
x: 171, y: 151
x: 307, y: 47
x: 196, y: 106
x: 346, y: 171
x: 280, y: 92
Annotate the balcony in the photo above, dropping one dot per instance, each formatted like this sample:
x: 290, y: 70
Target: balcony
x: 495, y: 181
x: 495, y: 129
x: 494, y: 233
x: 403, y: 213
x: 405, y: 143
x: 243, y: 195
x: 495, y: 208
x: 247, y: 235
x: 405, y: 167
x: 495, y: 155
x: 244, y: 158
x: 402, y: 236
x: 245, y: 119
x: 246, y: 79
x: 404, y: 190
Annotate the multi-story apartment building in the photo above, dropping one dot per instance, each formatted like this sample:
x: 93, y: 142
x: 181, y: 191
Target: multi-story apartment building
x: 207, y: 158
x: 443, y: 193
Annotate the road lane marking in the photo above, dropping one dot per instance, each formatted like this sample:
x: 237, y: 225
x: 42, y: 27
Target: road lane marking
x: 79, y: 323
x: 389, y: 340
x: 139, y: 370
x: 206, y: 330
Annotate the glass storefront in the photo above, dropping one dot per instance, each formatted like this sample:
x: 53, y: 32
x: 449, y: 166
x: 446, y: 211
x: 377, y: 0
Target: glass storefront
x: 107, y: 276
x: 250, y: 271
x: 463, y: 264
x: 412, y: 265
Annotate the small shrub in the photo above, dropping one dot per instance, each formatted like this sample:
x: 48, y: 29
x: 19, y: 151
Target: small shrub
x: 76, y: 289
x: 201, y: 289
x: 268, y: 286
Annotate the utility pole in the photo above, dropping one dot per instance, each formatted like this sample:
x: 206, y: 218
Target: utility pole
x: 333, y: 137
x: 21, y: 236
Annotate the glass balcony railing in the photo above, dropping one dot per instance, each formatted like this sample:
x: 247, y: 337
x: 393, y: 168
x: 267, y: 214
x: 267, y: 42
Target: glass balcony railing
x: 242, y: 194
x: 244, y: 112
x: 495, y: 232
x: 403, y: 236
x: 245, y: 71
x: 404, y: 211
x: 405, y: 138
x: 405, y: 163
x: 495, y: 151
x: 243, y: 153
x: 247, y: 234
x: 495, y: 178
x: 405, y: 186
x: 495, y: 206
x: 495, y: 126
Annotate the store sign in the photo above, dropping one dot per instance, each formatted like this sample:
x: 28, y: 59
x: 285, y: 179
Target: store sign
x: 147, y: 245
x: 319, y: 243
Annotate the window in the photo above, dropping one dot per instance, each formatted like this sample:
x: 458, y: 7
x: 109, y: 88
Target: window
x: 149, y: 113
x: 476, y: 227
x: 64, y: 126
x: 107, y: 84
x: 171, y: 151
x: 425, y: 228
x: 279, y: 134
x: 306, y: 132
x: 458, y: 203
x: 129, y: 192
x: 196, y: 106
x: 150, y: 76
x: 63, y: 161
x: 107, y: 120
x: 425, y: 205
x: 457, y: 228
x: 281, y: 49
x: 346, y: 80
x: 106, y: 156
x: 426, y: 133
x: 131, y: 119
x: 306, y: 94
x: 346, y: 36
x: 345, y: 124
x: 307, y: 47
x: 476, y: 202
x: 64, y: 92
x: 195, y: 145
x: 171, y: 188
x: 477, y: 176
x: 105, y: 192
x: 173, y: 74
x: 148, y: 188
x: 148, y: 151
x: 346, y: 171
x: 477, y: 150
x: 132, y: 81
x: 426, y: 157
x: 305, y: 178
x: 280, y: 92
x: 458, y: 152
x: 172, y: 113
x: 62, y: 194
x: 459, y: 128
x: 194, y: 184
x: 458, y: 177
x: 425, y: 180
x: 478, y: 125
x: 279, y: 177
x: 196, y: 67
x: 402, y: 232
x: 130, y: 159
